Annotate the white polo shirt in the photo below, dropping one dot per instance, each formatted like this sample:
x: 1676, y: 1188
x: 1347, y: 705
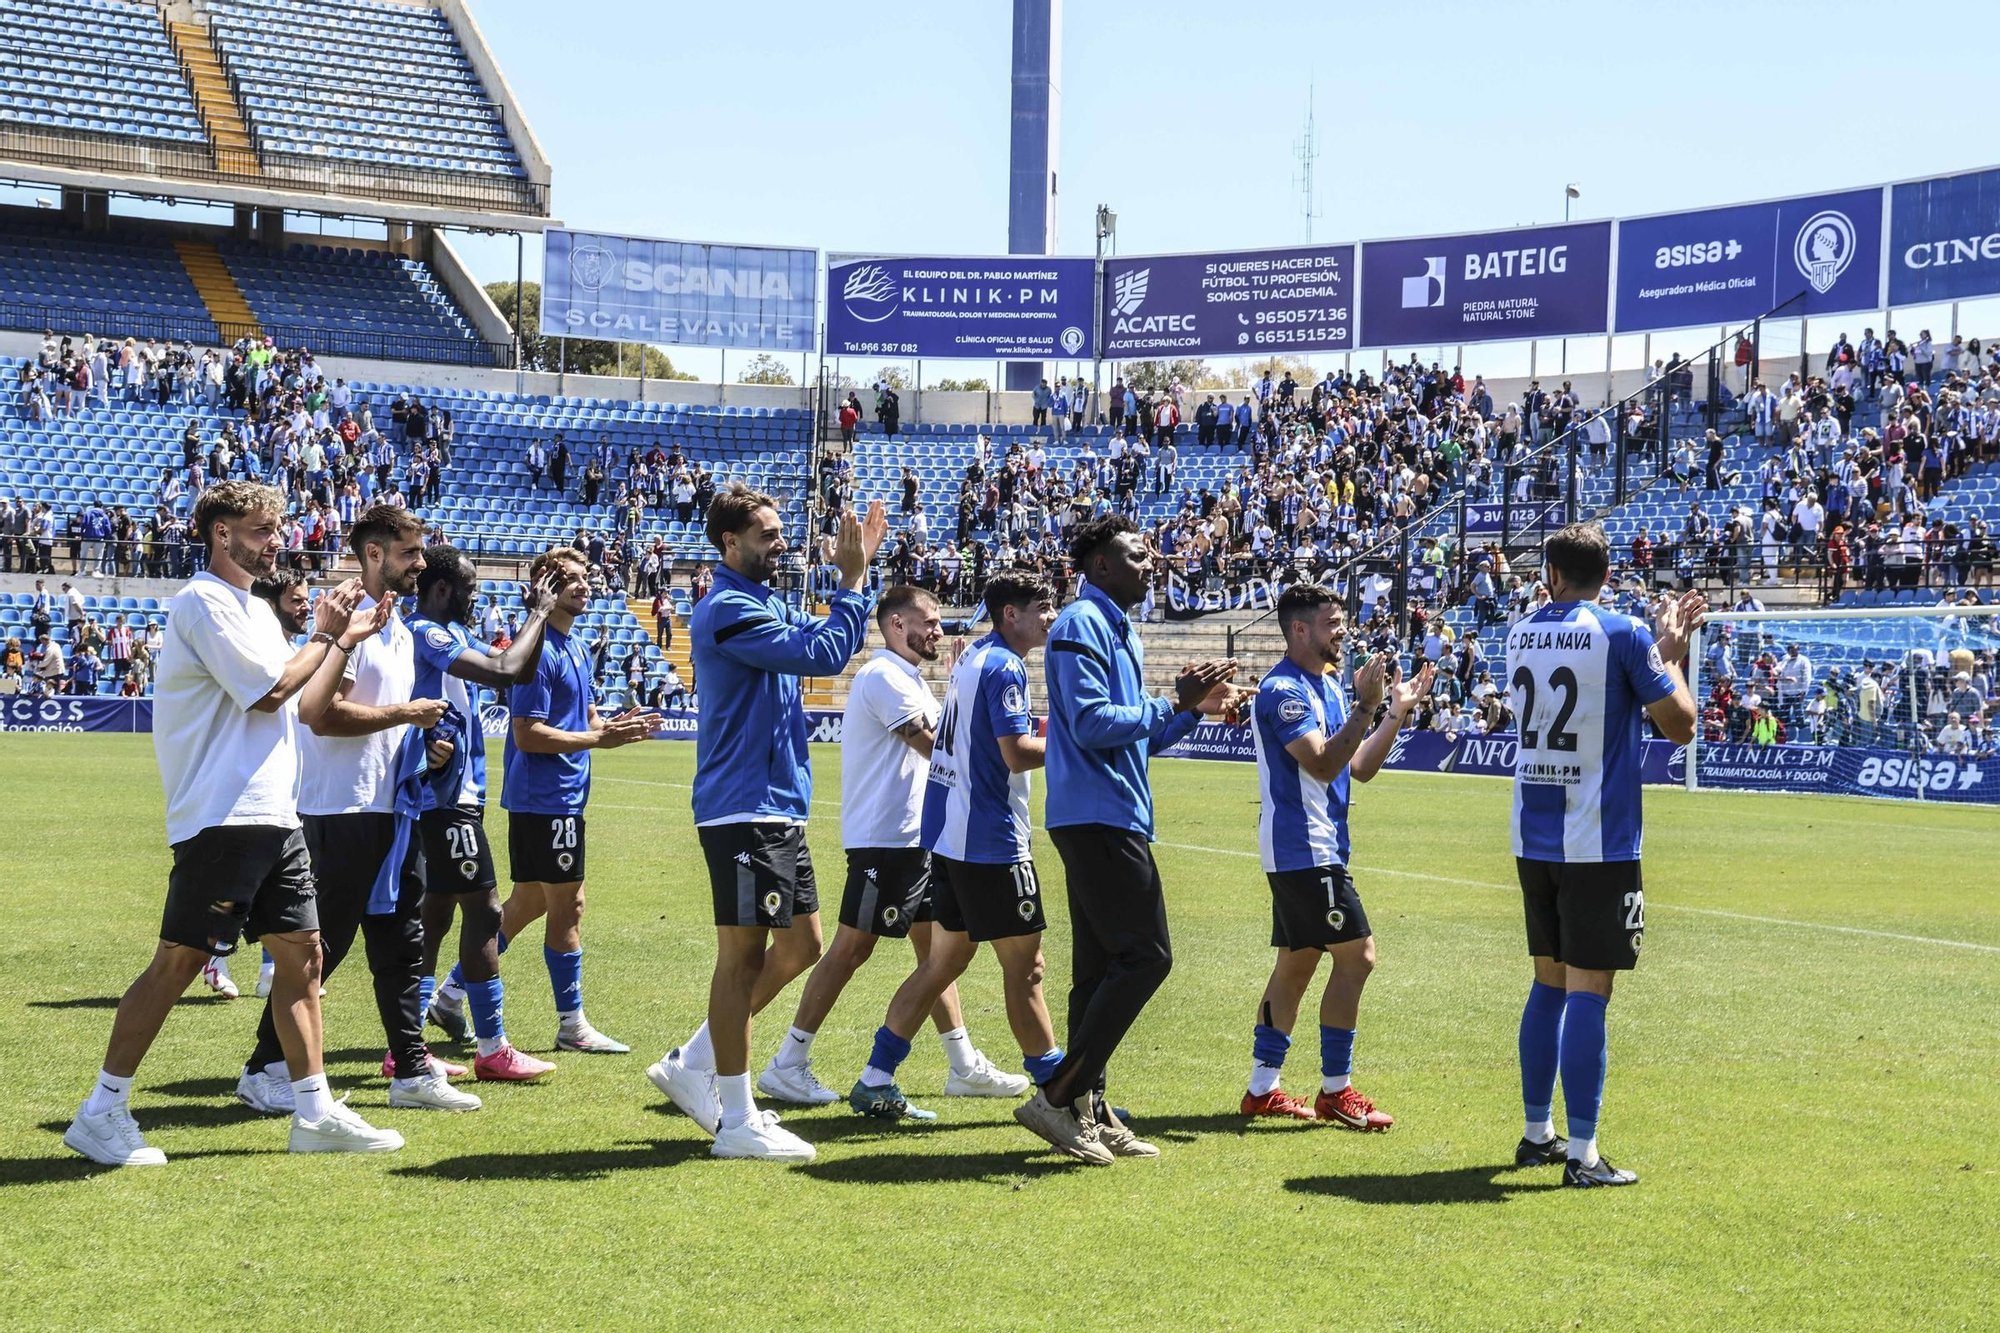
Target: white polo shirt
x: 347, y: 775
x: 881, y: 778
x: 220, y: 762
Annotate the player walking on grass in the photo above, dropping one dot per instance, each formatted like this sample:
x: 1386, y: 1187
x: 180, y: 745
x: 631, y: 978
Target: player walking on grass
x: 451, y: 667
x: 886, y: 739
x: 1579, y: 678
x: 226, y: 711
x: 1103, y: 727
x: 1308, y: 745
x: 363, y: 763
x: 550, y: 736
x: 752, y: 792
x: 975, y: 825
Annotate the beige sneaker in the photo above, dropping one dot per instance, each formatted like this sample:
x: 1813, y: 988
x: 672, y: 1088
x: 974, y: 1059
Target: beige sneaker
x: 1112, y: 1134
x: 1071, y: 1131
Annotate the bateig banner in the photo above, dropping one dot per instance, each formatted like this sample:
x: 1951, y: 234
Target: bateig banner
x: 1027, y: 306
x: 1232, y: 303
x: 1533, y: 282
x: 1725, y: 265
x: 688, y: 293
x: 1944, y: 239
x: 83, y: 712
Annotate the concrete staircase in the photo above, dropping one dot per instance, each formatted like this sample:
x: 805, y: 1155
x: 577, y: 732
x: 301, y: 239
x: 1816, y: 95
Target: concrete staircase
x: 215, y: 102
x: 219, y: 292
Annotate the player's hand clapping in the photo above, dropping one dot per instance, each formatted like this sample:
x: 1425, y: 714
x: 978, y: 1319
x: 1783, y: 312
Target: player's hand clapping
x: 634, y: 724
x: 1409, y: 693
x: 1204, y: 687
x: 1675, y: 623
x: 335, y: 608
x: 366, y: 624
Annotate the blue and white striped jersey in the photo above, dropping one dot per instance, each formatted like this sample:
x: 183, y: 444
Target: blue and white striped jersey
x: 462, y: 781
x: 974, y: 809
x: 1304, y: 821
x: 1579, y: 678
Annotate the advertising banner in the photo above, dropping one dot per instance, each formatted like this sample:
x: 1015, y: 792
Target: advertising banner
x: 1230, y: 303
x: 1729, y: 265
x: 85, y: 712
x: 1944, y: 239
x: 1483, y: 516
x: 1185, y: 601
x: 1502, y: 286
x: 688, y: 293
x: 1030, y: 307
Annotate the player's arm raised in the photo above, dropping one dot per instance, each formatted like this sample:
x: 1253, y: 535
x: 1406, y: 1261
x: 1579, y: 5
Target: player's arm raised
x: 1402, y: 697
x: 1322, y: 756
x: 516, y: 663
x: 759, y: 639
x: 334, y: 635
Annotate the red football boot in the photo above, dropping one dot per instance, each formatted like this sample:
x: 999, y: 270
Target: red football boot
x: 1349, y: 1109
x: 1277, y: 1103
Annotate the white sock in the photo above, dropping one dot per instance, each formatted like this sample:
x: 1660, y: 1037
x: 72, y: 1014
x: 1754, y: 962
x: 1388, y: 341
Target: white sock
x: 1539, y: 1131
x: 569, y: 1020
x: 1334, y: 1082
x: 269, y: 967
x: 110, y: 1093
x: 1263, y: 1078
x: 698, y: 1052
x: 734, y: 1092
x: 488, y: 1045
x: 958, y: 1051
x: 315, y: 1103
x: 278, y: 1069
x: 796, y: 1051
x: 448, y: 996
x: 1583, y: 1152
x: 871, y: 1077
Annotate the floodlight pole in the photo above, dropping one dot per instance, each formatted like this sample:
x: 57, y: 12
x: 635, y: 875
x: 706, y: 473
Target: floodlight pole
x: 1107, y: 225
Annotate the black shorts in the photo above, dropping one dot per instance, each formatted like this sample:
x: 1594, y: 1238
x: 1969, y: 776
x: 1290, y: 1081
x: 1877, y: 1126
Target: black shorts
x: 759, y: 874
x: 1589, y: 914
x: 545, y: 849
x: 347, y: 853
x: 457, y: 856
x: 1311, y: 909
x: 239, y: 880
x: 988, y: 902
x: 888, y: 890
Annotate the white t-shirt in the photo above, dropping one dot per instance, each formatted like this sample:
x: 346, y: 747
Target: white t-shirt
x: 351, y: 774
x: 882, y: 779
x: 221, y: 762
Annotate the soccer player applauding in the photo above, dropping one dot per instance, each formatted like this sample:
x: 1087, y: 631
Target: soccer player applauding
x: 752, y: 792
x: 1308, y: 744
x: 1580, y: 677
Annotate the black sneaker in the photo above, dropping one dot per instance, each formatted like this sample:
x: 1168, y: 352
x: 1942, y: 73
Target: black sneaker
x: 1578, y: 1176
x: 1552, y: 1153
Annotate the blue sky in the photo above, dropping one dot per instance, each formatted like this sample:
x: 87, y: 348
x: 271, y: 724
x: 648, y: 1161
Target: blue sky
x: 884, y: 126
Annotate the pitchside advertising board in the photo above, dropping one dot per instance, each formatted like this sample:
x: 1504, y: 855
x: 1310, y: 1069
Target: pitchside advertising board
x: 686, y: 293
x: 1728, y: 265
x: 1030, y: 307
x: 1502, y: 286
x: 1233, y: 303
x: 1944, y: 238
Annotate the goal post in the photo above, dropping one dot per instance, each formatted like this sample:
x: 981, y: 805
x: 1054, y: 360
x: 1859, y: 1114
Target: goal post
x: 1891, y: 701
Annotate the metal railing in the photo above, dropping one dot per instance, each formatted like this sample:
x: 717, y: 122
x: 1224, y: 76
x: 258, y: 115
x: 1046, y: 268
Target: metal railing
x: 374, y: 346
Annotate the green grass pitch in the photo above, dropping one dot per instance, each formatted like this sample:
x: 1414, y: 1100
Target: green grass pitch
x: 1803, y: 1072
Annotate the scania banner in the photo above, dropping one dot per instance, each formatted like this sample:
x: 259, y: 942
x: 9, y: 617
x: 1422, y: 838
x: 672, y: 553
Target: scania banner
x: 688, y: 293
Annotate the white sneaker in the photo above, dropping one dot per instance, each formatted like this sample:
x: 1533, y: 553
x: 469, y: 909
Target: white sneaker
x: 111, y: 1137
x: 429, y: 1093
x: 265, y: 974
x: 266, y: 1093
x: 985, y: 1081
x: 342, y: 1131
x: 216, y: 973
x: 762, y: 1136
x: 693, y: 1090
x: 796, y: 1084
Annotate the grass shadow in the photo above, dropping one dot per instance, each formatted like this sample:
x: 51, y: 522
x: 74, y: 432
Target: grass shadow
x: 1464, y: 1184
x: 577, y: 1164
x: 69, y: 1167
x: 78, y: 1002
x: 204, y: 1116
x: 195, y: 1087
x: 898, y: 1168
x: 1186, y: 1128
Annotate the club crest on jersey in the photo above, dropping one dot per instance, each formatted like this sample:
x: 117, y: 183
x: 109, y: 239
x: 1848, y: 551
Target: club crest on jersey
x: 890, y: 915
x: 1638, y: 939
x: 1012, y: 700
x: 1026, y: 907
x: 1653, y: 659
x: 564, y: 860
x: 771, y: 901
x: 467, y: 869
x: 1292, y: 710
x: 438, y: 637
x: 1336, y: 918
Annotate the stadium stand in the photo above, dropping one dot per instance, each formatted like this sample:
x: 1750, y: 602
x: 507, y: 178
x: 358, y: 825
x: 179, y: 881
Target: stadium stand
x: 93, y: 66
x: 382, y: 84
x: 313, y: 292
x: 48, y: 279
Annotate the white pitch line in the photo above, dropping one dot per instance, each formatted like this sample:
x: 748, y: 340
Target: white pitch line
x: 1671, y: 907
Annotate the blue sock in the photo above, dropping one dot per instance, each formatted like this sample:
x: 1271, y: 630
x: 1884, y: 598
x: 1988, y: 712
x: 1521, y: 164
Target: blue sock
x: 1541, y: 1033
x: 1269, y: 1046
x: 1042, y: 1068
x: 457, y: 977
x: 426, y: 988
x: 484, y: 999
x: 1336, y: 1051
x: 268, y: 960
x: 566, y: 977
x: 1584, y: 1057
x: 889, y: 1051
